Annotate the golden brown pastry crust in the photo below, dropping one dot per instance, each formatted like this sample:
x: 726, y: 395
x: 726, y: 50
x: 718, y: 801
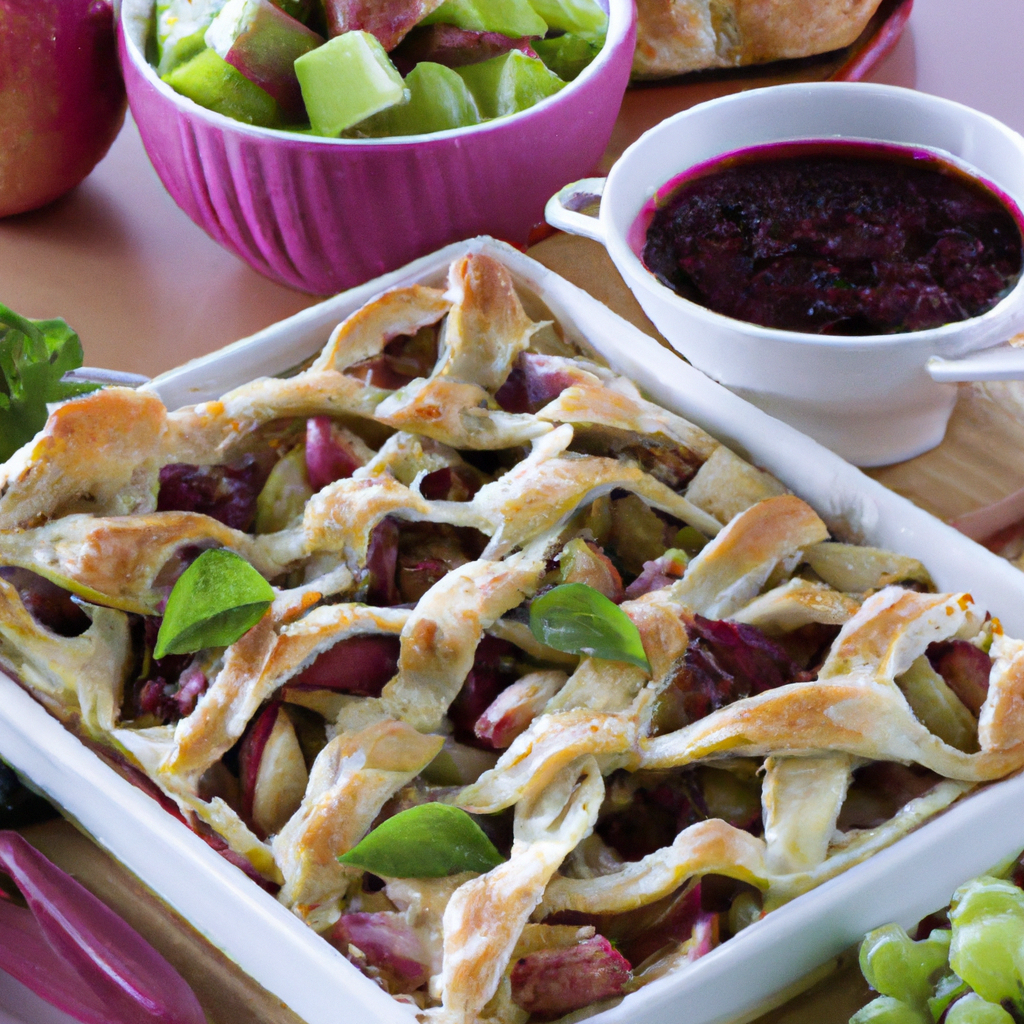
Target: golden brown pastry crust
x: 594, y: 463
x: 677, y: 36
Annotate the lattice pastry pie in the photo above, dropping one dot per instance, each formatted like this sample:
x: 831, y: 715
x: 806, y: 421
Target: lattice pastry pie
x: 442, y: 463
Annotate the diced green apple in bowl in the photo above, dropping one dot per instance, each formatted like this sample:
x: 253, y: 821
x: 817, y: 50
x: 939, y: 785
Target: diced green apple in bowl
x: 361, y: 69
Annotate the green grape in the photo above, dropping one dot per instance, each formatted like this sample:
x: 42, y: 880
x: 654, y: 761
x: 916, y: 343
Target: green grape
x: 948, y: 988
x: 972, y: 1009
x: 886, y: 1010
x: 897, y: 966
x: 987, y: 916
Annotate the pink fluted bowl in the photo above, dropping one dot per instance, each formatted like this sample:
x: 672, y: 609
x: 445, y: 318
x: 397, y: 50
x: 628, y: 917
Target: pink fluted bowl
x: 322, y: 215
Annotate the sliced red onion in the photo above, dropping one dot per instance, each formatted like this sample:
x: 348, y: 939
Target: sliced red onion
x: 51, y: 606
x: 534, y: 381
x: 658, y: 573
x: 704, y: 938
x: 965, y: 668
x: 153, y: 697
x: 381, y: 563
x: 724, y: 662
x: 191, y: 686
x: 329, y: 456
x: 389, y: 944
x: 76, y: 953
x: 225, y: 493
x: 553, y: 982
x: 379, y: 372
x: 491, y: 673
x: 449, y: 484
x: 173, y: 688
x: 437, y: 486
x: 360, y: 665
x: 404, y: 358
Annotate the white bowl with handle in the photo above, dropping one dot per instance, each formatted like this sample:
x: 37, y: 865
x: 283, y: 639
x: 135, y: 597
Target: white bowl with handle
x: 874, y: 399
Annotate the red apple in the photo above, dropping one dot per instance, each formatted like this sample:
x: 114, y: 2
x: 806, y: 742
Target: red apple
x: 263, y: 42
x: 272, y: 770
x: 62, y: 100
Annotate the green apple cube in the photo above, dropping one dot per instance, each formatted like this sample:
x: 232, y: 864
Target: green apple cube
x: 263, y: 42
x: 509, y: 83
x: 347, y: 80
x: 568, y: 55
x: 514, y: 18
x: 210, y: 81
x: 585, y: 17
x: 180, y: 26
x: 438, y: 100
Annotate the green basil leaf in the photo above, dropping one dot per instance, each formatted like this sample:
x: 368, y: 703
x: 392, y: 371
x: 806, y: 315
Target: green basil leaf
x: 216, y: 599
x: 578, y: 619
x: 429, y: 841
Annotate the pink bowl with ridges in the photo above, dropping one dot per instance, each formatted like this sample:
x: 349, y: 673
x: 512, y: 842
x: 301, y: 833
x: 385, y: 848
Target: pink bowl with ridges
x: 322, y: 215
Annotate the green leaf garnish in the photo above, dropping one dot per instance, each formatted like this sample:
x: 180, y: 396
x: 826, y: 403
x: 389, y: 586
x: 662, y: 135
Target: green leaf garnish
x: 578, y: 619
x: 34, y: 355
x: 216, y: 599
x: 429, y: 841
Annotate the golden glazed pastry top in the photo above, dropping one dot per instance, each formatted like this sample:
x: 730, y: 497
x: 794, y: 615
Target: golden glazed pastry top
x: 677, y: 36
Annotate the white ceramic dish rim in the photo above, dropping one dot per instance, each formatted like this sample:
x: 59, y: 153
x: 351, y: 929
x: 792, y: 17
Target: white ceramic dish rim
x: 603, y: 230
x: 306, y: 972
x: 134, y: 16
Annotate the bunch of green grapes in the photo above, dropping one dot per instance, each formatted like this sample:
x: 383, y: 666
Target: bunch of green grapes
x: 969, y: 973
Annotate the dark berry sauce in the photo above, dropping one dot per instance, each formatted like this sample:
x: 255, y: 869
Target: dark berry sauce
x: 834, y: 238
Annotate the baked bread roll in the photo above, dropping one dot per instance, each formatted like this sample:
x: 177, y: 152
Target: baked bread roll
x: 676, y: 36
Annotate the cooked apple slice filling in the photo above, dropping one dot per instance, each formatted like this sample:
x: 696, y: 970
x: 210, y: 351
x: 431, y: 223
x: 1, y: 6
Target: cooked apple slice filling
x: 505, y: 604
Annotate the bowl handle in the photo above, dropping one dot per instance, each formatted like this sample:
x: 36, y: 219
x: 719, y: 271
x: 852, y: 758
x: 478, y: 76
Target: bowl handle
x: 563, y: 208
x: 1003, y: 362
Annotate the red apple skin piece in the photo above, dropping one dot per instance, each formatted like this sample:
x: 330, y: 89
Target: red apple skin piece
x: 516, y: 707
x: 272, y: 769
x: 359, y: 665
x: 455, y: 47
x: 62, y: 99
x: 266, y: 53
x: 329, y: 456
x: 388, y: 20
x: 250, y: 753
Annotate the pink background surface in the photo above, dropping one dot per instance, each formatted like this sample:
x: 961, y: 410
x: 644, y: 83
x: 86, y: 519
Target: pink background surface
x: 146, y: 289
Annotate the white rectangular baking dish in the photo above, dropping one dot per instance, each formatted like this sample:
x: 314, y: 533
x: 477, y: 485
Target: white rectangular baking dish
x: 912, y: 878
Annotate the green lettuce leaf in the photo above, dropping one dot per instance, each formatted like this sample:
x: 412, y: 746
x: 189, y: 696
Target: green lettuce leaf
x: 34, y: 355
